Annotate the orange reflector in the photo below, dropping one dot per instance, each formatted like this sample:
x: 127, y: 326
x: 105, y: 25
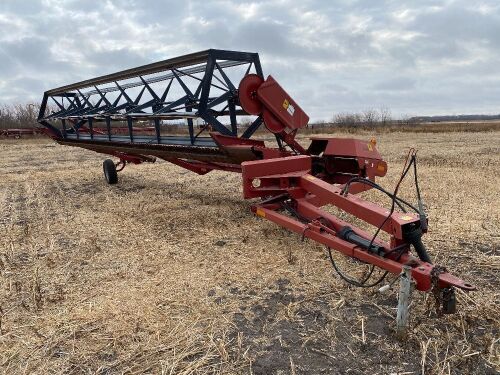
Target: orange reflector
x: 260, y: 213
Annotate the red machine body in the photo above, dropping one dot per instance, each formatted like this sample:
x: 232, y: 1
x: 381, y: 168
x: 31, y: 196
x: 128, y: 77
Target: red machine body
x: 292, y: 177
x: 279, y: 107
x: 331, y: 171
x: 292, y: 182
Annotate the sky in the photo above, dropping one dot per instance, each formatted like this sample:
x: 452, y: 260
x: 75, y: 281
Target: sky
x: 413, y: 57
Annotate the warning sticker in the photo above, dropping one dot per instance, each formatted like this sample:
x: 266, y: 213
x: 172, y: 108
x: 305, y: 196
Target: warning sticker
x: 370, y: 147
x: 289, y: 107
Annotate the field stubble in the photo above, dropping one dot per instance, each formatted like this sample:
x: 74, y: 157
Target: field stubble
x: 169, y: 272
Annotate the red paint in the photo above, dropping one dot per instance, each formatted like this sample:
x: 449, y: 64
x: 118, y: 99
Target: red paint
x: 281, y: 105
x: 290, y: 177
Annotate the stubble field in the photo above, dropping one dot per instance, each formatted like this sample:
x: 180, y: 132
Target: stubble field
x: 169, y: 272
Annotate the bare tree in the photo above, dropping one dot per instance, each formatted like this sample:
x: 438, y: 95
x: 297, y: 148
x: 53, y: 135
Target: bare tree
x: 385, y: 116
x: 370, y: 117
x: 346, y: 119
x: 18, y: 116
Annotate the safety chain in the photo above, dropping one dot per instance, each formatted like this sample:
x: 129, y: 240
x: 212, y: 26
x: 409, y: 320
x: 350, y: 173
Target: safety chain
x: 438, y: 296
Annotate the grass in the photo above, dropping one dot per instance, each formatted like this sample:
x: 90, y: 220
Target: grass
x: 417, y: 127
x: 169, y: 272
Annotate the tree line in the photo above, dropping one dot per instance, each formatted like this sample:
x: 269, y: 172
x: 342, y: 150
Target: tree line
x: 25, y: 116
x: 369, y: 118
x: 18, y: 116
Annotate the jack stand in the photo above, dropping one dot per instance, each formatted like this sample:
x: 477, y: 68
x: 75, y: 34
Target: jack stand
x: 403, y: 303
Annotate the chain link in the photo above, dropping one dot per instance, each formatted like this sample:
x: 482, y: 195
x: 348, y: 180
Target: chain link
x: 438, y: 295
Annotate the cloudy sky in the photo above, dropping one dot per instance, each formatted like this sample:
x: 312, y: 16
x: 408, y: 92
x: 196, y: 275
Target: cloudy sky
x: 414, y: 57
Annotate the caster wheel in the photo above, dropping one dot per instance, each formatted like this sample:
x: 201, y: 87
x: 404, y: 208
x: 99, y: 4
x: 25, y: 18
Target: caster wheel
x: 110, y: 173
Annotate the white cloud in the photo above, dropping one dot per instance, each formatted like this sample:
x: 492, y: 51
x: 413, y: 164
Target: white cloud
x: 332, y: 56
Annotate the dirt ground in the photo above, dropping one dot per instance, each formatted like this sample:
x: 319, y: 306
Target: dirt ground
x: 169, y: 272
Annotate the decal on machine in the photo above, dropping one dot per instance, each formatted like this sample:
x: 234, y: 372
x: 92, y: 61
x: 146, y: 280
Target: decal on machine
x: 289, y: 107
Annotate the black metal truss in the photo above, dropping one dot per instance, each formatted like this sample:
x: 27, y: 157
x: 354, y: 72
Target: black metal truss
x: 121, y: 96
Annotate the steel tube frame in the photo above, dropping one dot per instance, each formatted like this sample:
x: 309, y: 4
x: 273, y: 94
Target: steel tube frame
x: 77, y: 104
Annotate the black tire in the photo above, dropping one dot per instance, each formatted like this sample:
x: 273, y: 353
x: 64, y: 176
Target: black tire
x: 110, y: 173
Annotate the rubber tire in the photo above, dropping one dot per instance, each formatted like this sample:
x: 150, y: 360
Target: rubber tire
x: 110, y: 173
